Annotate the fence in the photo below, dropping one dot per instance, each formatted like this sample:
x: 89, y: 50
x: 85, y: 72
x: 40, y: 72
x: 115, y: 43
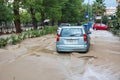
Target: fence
x: 11, y: 29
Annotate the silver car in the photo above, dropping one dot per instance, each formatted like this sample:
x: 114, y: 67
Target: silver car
x: 72, y: 39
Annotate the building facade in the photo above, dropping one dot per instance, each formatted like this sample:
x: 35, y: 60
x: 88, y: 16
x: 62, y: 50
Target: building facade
x: 118, y: 1
x: 110, y: 11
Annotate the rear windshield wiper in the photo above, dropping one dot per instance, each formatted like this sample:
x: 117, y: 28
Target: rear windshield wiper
x: 75, y: 34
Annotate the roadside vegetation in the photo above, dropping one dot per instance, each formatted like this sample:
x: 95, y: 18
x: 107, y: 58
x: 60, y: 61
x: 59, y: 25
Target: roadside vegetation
x: 17, y: 38
x: 114, y: 23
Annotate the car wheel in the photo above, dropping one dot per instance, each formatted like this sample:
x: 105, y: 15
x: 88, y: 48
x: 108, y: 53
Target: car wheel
x: 59, y: 52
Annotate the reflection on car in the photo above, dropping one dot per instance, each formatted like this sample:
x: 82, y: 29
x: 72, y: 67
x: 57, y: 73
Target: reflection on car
x: 71, y: 39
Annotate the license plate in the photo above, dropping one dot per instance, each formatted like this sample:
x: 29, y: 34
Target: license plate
x: 71, y: 41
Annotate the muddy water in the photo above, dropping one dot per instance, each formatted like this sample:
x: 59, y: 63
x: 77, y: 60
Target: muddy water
x: 37, y: 59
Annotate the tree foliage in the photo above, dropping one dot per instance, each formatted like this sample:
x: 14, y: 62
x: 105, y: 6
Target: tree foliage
x: 98, y: 10
x: 118, y: 13
x: 71, y: 11
x: 5, y: 12
x: 38, y: 10
x: 25, y: 17
x: 99, y: 7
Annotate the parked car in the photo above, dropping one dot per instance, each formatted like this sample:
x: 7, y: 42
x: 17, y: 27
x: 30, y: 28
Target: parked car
x: 100, y: 26
x: 62, y: 25
x: 73, y: 38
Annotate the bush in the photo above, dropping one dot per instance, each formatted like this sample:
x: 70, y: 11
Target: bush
x: 3, y: 42
x: 15, y: 39
x: 36, y: 33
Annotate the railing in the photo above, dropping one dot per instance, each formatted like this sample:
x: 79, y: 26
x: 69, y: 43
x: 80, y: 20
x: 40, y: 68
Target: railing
x: 11, y: 29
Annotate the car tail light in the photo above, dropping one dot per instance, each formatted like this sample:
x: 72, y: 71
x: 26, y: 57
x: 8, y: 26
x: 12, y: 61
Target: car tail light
x: 58, y: 37
x: 85, y: 37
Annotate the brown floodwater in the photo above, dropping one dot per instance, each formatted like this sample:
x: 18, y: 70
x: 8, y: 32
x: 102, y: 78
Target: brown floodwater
x: 37, y: 59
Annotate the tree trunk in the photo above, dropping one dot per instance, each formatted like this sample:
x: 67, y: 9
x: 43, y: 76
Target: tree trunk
x: 53, y: 22
x: 17, y: 16
x: 34, y: 21
x: 0, y: 23
x: 42, y: 18
x: 59, y: 22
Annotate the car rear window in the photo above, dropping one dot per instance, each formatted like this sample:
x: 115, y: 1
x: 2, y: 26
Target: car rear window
x: 100, y: 24
x: 69, y: 32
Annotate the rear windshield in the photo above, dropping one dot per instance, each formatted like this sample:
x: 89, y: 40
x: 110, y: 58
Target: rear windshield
x: 69, y: 32
x: 101, y: 24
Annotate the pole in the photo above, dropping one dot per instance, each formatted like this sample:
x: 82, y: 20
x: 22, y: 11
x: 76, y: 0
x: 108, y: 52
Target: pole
x: 88, y: 8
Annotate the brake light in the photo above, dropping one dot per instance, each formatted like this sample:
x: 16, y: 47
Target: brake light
x: 58, y: 37
x: 85, y: 37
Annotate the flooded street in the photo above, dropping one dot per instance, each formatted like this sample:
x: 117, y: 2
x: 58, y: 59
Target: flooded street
x: 37, y: 59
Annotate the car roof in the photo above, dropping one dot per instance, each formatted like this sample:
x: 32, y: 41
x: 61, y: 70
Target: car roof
x: 81, y: 27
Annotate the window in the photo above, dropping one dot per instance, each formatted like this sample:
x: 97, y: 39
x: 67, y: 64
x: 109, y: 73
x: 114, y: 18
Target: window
x: 69, y: 32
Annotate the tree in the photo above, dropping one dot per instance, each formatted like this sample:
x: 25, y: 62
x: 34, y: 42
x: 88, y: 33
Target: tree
x: 118, y: 15
x: 5, y: 12
x: 99, y: 8
x: 17, y: 23
x: 71, y: 11
x: 25, y: 17
x: 52, y: 10
x: 32, y: 6
x: 83, y: 12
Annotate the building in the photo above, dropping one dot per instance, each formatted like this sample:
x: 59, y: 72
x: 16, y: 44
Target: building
x: 118, y: 2
x: 110, y: 11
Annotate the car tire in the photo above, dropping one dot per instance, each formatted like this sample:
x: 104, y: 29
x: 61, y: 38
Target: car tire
x: 59, y: 52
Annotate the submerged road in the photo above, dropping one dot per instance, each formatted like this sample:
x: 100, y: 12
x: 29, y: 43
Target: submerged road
x: 37, y: 59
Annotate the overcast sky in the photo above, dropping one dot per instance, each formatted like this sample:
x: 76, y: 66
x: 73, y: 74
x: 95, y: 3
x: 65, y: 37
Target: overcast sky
x: 109, y: 3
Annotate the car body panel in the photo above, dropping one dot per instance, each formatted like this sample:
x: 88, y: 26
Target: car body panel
x: 99, y: 26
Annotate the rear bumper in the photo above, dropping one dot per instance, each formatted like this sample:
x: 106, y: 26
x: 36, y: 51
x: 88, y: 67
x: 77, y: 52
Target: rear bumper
x: 72, y: 48
x: 100, y: 28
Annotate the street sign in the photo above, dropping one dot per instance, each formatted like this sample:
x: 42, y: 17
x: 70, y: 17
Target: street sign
x: 109, y: 17
x: 98, y: 17
x: 87, y: 16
